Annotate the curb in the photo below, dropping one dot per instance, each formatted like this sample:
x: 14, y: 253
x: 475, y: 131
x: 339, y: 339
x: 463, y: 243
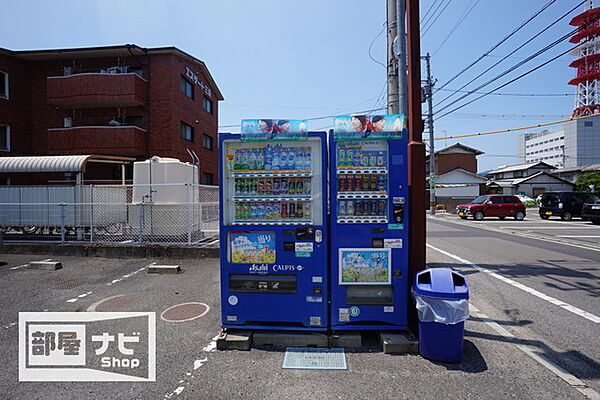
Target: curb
x: 93, y: 250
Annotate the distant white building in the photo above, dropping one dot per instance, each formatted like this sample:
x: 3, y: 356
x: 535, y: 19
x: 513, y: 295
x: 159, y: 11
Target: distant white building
x: 574, y: 144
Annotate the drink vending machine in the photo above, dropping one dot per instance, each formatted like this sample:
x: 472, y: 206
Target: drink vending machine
x: 273, y: 227
x: 369, y: 226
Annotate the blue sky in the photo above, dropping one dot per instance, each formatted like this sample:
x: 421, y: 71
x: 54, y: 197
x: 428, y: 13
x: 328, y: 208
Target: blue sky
x: 305, y: 59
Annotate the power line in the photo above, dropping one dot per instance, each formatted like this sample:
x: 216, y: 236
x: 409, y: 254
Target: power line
x: 427, y: 12
x: 436, y: 18
x: 514, y: 94
x: 502, y: 74
x: 494, y: 47
x: 371, y: 46
x: 426, y: 20
x: 515, y: 129
x: 513, y: 52
x: 460, y: 21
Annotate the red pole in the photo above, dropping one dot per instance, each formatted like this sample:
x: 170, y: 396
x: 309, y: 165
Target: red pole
x: 416, y: 150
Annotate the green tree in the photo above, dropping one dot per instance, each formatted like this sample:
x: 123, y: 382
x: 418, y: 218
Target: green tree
x: 586, y: 179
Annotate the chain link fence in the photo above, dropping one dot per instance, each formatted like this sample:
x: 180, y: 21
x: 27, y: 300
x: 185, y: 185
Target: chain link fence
x: 119, y: 214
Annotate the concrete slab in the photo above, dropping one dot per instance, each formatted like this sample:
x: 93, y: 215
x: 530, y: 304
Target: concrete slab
x: 45, y: 265
x: 289, y: 339
x: 345, y: 340
x: 395, y: 342
x: 235, y: 340
x: 163, y: 269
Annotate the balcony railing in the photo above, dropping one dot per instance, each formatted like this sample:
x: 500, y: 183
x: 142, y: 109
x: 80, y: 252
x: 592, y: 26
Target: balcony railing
x: 93, y: 90
x: 107, y: 140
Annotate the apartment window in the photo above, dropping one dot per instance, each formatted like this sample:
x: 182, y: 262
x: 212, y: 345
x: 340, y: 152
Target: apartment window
x: 3, y: 85
x: 187, y: 132
x: 588, y: 123
x: 207, y: 142
x: 208, y: 178
x: 208, y: 105
x: 187, y: 88
x: 518, y: 174
x: 4, y: 138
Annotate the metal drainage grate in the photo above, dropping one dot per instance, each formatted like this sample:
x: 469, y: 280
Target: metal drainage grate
x: 65, y: 285
x: 311, y: 358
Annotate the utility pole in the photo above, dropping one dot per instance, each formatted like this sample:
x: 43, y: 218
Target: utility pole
x: 428, y: 93
x: 392, y: 61
x: 401, y: 57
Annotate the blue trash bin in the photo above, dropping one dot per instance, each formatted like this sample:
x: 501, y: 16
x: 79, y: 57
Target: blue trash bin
x: 441, y: 297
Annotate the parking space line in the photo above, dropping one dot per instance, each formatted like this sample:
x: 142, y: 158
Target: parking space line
x: 577, y: 236
x: 566, y: 376
x: 129, y: 275
x: 527, y: 289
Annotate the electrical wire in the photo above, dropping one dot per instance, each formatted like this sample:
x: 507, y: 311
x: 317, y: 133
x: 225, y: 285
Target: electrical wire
x: 514, y: 129
x: 371, y: 46
x: 427, y: 12
x: 502, y: 74
x: 513, y: 52
x: 494, y: 47
x: 514, y: 94
x: 460, y: 21
x: 426, y: 20
x: 435, y: 20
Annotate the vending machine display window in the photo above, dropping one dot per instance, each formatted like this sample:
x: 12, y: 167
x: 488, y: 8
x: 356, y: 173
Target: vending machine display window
x: 362, y: 182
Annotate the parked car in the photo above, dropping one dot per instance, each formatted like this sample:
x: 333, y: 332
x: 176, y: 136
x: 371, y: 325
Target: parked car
x: 591, y: 209
x: 565, y: 205
x: 492, y: 205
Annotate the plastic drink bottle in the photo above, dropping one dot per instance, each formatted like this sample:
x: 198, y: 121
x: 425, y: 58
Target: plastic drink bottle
x: 300, y: 158
x: 268, y: 157
x: 283, y: 159
x: 350, y: 208
x: 275, y: 165
x: 342, y: 207
x: 357, y: 158
x: 372, y: 159
x: 380, y: 159
x: 292, y: 159
x: 260, y: 160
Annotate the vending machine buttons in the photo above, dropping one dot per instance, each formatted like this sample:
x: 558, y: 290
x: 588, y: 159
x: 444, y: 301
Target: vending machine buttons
x: 398, y: 213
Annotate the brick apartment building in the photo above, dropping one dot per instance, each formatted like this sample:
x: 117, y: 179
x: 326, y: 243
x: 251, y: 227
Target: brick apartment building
x: 124, y: 101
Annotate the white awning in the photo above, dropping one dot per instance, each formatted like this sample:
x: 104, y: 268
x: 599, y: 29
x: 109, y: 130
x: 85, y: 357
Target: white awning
x: 55, y: 163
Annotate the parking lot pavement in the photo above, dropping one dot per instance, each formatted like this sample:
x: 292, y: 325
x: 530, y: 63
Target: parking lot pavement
x: 188, y: 366
x: 575, y: 231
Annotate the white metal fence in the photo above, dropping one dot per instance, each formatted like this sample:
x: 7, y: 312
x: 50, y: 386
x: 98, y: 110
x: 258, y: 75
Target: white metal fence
x: 130, y: 214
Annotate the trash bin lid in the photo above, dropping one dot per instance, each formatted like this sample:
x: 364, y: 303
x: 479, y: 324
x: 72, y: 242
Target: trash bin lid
x: 441, y: 283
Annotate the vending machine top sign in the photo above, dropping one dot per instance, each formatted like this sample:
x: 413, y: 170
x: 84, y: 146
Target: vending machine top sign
x: 258, y: 130
x: 369, y: 127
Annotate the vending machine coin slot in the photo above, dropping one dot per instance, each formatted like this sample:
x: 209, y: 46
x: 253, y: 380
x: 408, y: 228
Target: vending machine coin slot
x: 377, y: 230
x: 317, y: 290
x: 398, y: 213
x: 377, y: 243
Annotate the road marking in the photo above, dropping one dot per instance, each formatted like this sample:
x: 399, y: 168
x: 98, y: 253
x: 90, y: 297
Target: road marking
x: 576, y: 236
x: 129, y: 275
x: 74, y: 299
x: 562, y: 304
x: 93, y: 307
x: 549, y: 227
x: 197, y: 364
x: 566, y: 376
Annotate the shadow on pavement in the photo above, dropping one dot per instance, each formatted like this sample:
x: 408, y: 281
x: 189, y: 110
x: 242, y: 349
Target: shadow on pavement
x: 472, y: 363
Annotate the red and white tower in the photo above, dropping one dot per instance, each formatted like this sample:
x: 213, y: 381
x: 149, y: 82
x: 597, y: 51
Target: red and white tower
x: 588, y: 62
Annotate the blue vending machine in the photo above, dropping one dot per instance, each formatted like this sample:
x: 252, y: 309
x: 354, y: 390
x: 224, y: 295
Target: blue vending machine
x: 273, y: 231
x: 369, y: 226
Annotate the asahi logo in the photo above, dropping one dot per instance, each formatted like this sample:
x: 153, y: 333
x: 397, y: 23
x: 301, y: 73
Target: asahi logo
x: 264, y: 268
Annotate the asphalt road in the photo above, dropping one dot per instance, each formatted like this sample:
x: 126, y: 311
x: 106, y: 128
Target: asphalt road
x: 541, y: 290
x: 495, y: 364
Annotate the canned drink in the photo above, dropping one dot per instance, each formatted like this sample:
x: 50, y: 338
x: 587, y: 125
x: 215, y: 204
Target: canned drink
x: 238, y: 211
x: 364, y: 159
x: 261, y: 186
x: 373, y: 183
x: 342, y: 183
x: 373, y: 207
x: 357, y: 157
x: 292, y: 186
x: 284, y: 211
x: 381, y: 207
x: 253, y: 211
x: 342, y: 208
x: 276, y: 185
x: 300, y: 185
x: 292, y: 210
x: 269, y: 186
x: 269, y: 211
x: 300, y: 210
x: 277, y: 210
x: 350, y: 208
x: 307, y: 185
x: 365, y: 183
x: 381, y: 183
x: 307, y: 211
x: 349, y: 157
x: 358, y: 208
x: 366, y: 207
x: 341, y: 161
x: 284, y: 186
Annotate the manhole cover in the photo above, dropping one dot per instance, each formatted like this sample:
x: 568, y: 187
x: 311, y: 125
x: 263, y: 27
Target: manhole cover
x: 309, y: 358
x: 64, y: 285
x: 184, y: 312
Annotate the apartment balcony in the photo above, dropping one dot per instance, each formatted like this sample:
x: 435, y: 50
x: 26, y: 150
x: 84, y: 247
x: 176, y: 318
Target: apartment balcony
x: 103, y: 140
x: 94, y: 90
